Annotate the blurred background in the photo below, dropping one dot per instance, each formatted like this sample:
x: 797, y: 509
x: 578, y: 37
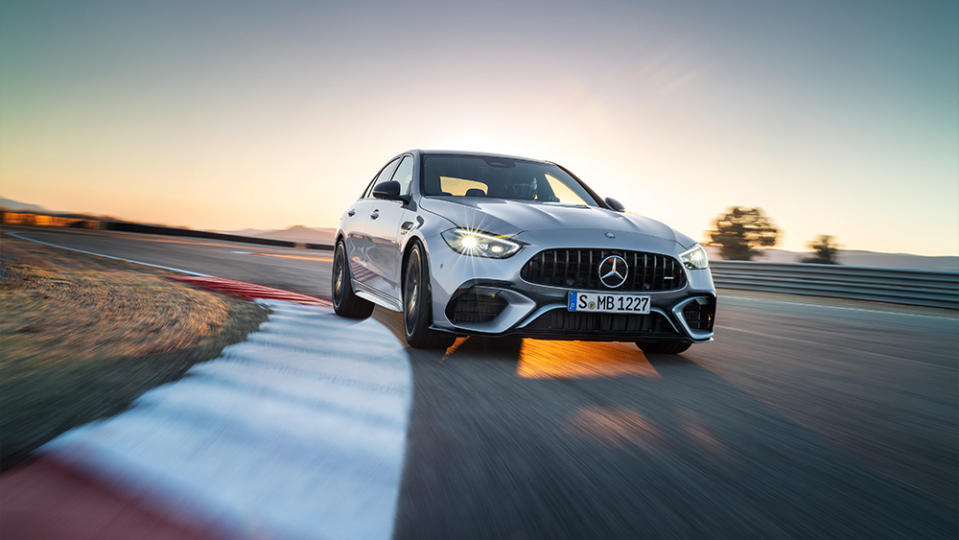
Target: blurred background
x: 171, y: 174
x: 838, y: 119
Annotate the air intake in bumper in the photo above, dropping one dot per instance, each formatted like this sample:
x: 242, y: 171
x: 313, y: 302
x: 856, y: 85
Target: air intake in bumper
x: 700, y: 313
x: 475, y: 306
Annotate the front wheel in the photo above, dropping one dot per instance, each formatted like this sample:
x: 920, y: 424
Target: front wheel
x: 345, y: 301
x: 417, y: 307
x: 663, y: 347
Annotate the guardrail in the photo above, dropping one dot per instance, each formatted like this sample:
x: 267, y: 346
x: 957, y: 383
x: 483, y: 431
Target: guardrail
x: 124, y: 226
x: 910, y: 287
x: 33, y: 219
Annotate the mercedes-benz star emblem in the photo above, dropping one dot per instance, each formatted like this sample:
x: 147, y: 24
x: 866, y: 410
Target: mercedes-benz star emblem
x: 613, y: 271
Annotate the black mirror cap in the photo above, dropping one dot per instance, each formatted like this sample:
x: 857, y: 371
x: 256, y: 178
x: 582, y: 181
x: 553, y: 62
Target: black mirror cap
x: 387, y: 190
x: 613, y: 204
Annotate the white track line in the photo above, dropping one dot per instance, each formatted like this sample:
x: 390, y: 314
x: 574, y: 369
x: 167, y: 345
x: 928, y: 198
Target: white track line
x: 141, y: 263
x: 290, y: 434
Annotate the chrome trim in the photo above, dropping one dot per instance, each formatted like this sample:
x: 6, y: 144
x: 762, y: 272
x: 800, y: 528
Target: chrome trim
x: 665, y: 316
x: 538, y: 312
x: 696, y: 335
x: 517, y: 305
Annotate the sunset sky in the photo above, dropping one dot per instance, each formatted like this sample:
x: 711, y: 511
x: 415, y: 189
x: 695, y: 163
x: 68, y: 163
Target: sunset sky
x: 835, y: 117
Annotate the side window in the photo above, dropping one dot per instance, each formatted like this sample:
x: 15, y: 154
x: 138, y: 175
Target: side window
x: 384, y: 175
x: 404, y: 175
x: 369, y: 189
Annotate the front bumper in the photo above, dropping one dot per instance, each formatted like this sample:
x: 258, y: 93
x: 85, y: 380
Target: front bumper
x: 535, y: 310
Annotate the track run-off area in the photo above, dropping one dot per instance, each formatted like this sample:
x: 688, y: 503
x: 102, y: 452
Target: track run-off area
x: 805, y: 418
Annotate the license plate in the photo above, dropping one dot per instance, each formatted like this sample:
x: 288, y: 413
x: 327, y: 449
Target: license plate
x: 607, y: 303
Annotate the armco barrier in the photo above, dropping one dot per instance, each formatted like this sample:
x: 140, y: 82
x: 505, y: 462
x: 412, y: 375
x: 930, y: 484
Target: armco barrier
x: 911, y: 287
x: 173, y: 231
x: 33, y: 219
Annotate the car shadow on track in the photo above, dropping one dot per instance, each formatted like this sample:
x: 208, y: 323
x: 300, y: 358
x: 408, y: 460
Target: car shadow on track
x: 529, y: 438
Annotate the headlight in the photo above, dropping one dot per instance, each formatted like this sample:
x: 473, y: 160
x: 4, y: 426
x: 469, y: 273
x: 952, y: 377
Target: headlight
x: 695, y: 258
x: 480, y: 244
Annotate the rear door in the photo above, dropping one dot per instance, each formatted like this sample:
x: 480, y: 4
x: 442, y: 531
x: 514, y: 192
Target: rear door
x: 359, y: 242
x: 386, y: 217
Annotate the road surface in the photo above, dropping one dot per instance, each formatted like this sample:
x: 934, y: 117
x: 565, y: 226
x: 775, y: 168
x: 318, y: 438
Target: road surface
x: 799, y: 420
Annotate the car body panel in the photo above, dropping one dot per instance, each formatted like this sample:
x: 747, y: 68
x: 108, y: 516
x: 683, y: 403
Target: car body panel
x: 376, y: 254
x: 506, y: 217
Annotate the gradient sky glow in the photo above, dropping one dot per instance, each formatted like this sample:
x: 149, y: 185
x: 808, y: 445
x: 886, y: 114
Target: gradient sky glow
x: 835, y: 117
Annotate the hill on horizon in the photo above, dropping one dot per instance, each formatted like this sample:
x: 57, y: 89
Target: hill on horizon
x: 18, y: 206
x: 296, y: 233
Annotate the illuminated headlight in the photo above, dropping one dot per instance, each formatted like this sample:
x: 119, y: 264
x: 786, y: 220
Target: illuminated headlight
x: 480, y: 244
x: 695, y: 258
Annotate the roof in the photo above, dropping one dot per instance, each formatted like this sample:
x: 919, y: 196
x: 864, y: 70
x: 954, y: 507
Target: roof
x: 478, y: 154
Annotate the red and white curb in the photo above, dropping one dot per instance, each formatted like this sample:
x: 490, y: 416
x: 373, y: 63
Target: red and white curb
x: 297, y: 432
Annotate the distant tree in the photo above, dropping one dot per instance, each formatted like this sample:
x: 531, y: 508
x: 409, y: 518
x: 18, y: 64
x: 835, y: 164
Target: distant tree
x: 740, y: 230
x: 825, y: 249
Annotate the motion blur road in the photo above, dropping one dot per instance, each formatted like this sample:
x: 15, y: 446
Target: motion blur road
x: 799, y: 420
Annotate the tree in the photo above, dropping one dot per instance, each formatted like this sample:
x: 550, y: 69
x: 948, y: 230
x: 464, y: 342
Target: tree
x: 827, y: 252
x: 740, y: 230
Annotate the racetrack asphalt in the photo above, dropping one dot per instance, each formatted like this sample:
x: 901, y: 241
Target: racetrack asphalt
x: 800, y: 420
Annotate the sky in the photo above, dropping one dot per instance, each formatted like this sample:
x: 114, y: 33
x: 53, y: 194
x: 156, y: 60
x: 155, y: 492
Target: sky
x: 835, y: 118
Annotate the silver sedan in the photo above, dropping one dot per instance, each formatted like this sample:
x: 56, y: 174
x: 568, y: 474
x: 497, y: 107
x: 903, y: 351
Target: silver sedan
x: 484, y: 244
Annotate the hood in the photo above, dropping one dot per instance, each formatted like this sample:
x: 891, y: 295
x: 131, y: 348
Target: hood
x: 503, y: 216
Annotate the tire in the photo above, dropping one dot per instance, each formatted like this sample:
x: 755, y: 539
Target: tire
x: 345, y: 301
x: 663, y: 347
x: 417, y: 304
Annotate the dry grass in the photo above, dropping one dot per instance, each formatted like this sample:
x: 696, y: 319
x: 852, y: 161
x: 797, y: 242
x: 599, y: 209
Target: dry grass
x: 81, y: 337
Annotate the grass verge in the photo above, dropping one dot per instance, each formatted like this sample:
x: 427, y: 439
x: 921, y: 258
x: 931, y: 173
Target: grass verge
x: 81, y: 337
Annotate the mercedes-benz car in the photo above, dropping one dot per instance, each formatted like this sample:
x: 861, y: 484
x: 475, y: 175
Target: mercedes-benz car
x: 492, y: 245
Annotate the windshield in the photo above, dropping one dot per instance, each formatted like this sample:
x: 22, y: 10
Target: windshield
x: 501, y: 178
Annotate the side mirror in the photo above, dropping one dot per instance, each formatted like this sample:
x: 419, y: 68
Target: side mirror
x: 615, y: 205
x: 389, y: 191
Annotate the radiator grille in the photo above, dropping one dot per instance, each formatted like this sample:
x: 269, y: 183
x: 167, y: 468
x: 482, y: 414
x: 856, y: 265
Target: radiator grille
x: 579, y: 268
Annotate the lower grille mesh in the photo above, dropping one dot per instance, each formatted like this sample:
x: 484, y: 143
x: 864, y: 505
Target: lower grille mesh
x: 601, y: 324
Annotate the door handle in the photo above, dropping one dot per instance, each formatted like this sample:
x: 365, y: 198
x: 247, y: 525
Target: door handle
x: 406, y: 226
x: 351, y: 213
x: 375, y: 214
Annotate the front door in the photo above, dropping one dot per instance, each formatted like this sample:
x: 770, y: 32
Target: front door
x: 360, y: 246
x: 385, y: 220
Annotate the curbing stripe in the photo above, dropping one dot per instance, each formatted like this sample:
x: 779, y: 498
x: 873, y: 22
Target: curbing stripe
x: 302, y: 441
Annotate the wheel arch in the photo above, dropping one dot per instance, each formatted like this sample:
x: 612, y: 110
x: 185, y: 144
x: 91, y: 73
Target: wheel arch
x: 412, y: 241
